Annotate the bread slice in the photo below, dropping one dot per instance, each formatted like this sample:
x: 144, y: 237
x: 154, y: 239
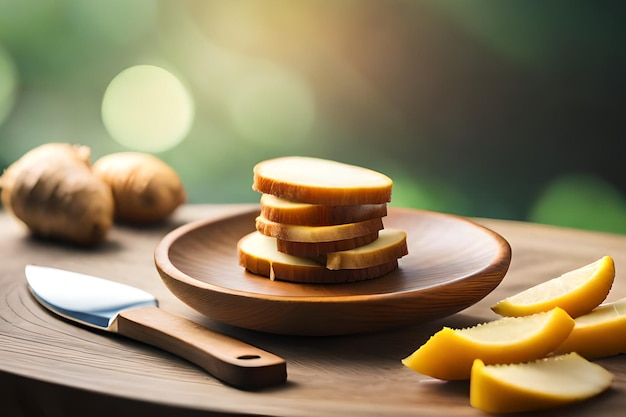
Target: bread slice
x: 312, y: 249
x: 312, y: 234
x: 258, y: 255
x: 390, y: 245
x: 289, y: 212
x: 320, y: 181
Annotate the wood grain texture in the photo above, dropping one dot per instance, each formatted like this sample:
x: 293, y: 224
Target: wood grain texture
x: 53, y: 368
x: 230, y: 360
x: 452, y: 263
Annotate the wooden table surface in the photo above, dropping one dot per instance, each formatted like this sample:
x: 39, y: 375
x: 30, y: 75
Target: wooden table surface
x: 49, y: 367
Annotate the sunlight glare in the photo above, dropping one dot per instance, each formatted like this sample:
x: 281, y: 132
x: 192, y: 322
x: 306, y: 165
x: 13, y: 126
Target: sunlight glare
x: 147, y: 108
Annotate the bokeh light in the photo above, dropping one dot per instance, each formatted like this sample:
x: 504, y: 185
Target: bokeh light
x: 583, y: 201
x: 147, y: 108
x: 469, y: 108
x: 272, y: 105
x: 8, y: 83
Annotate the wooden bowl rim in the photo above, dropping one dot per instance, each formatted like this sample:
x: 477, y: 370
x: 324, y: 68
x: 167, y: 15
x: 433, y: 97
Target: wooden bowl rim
x: 167, y: 270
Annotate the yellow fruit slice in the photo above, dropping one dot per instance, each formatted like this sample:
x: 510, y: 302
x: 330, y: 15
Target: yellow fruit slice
x: 540, y: 385
x: 450, y: 353
x: 599, y: 333
x: 577, y: 292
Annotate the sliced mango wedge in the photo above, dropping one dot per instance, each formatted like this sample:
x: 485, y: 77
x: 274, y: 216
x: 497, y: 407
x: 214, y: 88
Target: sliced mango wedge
x: 540, y: 385
x: 577, y: 292
x: 600, y: 333
x: 450, y: 353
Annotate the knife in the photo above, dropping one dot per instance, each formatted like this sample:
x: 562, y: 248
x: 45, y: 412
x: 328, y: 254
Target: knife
x: 134, y: 313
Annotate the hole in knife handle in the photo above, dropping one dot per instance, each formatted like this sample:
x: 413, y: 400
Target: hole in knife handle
x: 249, y: 357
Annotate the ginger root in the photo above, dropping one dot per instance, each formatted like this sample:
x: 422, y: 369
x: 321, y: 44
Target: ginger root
x: 145, y: 188
x: 53, y: 191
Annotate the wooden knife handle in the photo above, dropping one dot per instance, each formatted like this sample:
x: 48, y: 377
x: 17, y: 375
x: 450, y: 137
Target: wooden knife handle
x: 230, y: 360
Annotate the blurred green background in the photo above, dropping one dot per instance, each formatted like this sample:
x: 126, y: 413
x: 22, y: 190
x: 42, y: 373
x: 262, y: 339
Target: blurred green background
x: 502, y: 109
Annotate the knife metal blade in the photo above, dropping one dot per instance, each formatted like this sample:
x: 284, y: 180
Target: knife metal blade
x: 134, y: 313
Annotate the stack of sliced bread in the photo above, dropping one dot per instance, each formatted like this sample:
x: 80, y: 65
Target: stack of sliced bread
x: 321, y: 221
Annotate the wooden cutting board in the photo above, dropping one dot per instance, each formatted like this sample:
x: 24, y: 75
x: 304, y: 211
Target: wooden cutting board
x: 52, y: 367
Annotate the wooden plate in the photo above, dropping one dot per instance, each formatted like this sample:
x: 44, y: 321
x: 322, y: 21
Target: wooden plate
x: 452, y: 264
